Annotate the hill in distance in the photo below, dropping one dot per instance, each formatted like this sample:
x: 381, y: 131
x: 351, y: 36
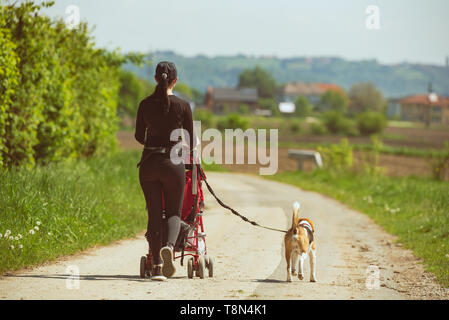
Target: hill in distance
x: 222, y: 71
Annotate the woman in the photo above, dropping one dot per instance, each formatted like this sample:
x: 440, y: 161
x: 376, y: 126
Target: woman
x: 158, y: 115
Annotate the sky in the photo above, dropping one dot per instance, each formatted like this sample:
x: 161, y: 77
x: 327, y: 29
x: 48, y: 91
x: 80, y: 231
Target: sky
x: 414, y: 31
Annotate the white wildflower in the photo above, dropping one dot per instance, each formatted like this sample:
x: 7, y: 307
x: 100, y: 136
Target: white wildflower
x: 20, y: 236
x: 7, y: 233
x: 49, y: 233
x: 16, y: 238
x: 11, y: 238
x: 36, y: 228
x: 31, y: 231
x: 368, y: 199
x: 12, y: 247
x: 20, y: 246
x: 38, y: 223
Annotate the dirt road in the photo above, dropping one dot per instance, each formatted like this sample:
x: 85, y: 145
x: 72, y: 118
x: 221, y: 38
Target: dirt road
x: 249, y: 261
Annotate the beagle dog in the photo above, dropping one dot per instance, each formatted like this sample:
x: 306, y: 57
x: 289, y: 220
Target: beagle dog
x: 299, y: 243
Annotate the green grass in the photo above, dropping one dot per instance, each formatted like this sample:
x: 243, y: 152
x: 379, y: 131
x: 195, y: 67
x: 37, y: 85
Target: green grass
x: 393, y: 136
x: 405, y: 124
x: 213, y: 167
x: 75, y: 206
x: 400, y: 151
x: 421, y: 223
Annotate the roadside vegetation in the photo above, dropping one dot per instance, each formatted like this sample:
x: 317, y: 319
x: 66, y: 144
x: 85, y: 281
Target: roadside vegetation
x: 412, y: 208
x: 61, y: 209
x: 58, y: 94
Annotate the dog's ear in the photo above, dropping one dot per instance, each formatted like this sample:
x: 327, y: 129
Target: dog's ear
x: 295, y: 219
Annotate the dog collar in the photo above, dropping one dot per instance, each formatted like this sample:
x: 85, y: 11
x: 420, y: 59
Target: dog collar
x: 306, y: 224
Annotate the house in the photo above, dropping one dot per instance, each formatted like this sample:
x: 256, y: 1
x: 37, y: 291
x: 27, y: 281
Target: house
x: 393, y: 109
x: 223, y: 100
x: 290, y: 92
x: 427, y: 108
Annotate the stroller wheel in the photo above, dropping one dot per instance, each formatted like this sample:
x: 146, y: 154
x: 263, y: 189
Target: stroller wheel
x: 143, y: 266
x: 210, y: 266
x: 201, y: 266
x: 190, y: 268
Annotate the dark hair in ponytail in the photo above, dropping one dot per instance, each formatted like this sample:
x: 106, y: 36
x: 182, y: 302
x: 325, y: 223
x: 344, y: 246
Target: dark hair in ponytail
x: 165, y: 74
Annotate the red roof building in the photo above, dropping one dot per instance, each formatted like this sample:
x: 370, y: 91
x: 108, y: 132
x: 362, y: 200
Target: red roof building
x: 427, y: 108
x: 312, y: 91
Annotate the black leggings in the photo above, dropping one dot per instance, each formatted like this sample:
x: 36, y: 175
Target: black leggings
x: 156, y: 174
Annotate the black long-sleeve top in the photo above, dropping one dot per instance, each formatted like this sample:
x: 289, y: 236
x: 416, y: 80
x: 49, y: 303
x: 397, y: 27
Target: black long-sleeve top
x: 151, y: 115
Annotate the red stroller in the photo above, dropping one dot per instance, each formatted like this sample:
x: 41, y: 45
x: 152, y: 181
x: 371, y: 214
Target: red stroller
x: 192, y: 238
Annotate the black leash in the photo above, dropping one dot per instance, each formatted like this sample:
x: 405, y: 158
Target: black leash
x: 232, y: 210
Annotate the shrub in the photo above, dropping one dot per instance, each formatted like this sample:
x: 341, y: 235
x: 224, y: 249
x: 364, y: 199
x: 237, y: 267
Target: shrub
x: 302, y: 106
x: 233, y: 121
x: 243, y: 109
x: 269, y: 104
x: 317, y: 128
x: 336, y: 123
x: 205, y: 116
x: 440, y: 164
x: 337, y: 156
x: 60, y: 101
x: 131, y: 91
x: 295, y: 126
x: 371, y: 123
x: 333, y: 100
x: 370, y: 158
x: 9, y: 78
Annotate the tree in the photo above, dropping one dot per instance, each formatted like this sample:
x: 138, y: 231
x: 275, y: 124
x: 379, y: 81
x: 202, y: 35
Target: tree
x: 184, y: 89
x: 260, y: 79
x: 58, y: 90
x: 371, y: 122
x: 269, y: 104
x: 365, y: 97
x: 198, y: 96
x: 337, y: 123
x: 243, y: 109
x: 132, y: 91
x: 303, y: 106
x: 147, y: 87
x: 130, y: 94
x: 333, y: 100
x: 10, y: 78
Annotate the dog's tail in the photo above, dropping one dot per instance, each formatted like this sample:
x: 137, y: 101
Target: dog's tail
x: 296, y: 208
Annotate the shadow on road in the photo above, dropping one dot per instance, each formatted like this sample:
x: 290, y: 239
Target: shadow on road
x: 87, y: 277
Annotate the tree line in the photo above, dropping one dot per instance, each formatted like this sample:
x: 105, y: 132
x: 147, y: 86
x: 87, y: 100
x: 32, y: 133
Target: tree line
x: 362, y: 108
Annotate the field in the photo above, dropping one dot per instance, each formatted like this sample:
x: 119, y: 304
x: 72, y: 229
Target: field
x: 396, y: 159
x: 413, y: 138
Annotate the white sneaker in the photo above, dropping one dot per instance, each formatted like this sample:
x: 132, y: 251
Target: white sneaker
x: 168, y: 267
x: 157, y: 275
